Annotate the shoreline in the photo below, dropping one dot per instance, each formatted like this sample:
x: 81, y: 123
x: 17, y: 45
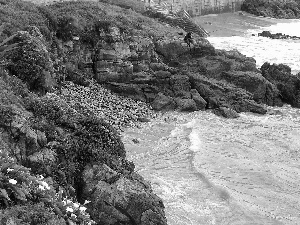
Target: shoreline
x: 139, y: 139
x: 218, y: 25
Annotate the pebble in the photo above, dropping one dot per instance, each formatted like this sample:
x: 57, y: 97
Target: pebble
x: 119, y: 111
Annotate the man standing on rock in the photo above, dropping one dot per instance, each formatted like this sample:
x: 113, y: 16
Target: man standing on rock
x: 188, y: 39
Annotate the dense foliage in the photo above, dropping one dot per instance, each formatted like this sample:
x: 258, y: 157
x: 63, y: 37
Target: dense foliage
x: 288, y: 9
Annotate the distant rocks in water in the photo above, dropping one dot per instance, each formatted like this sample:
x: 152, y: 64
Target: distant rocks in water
x: 135, y: 141
x: 268, y: 34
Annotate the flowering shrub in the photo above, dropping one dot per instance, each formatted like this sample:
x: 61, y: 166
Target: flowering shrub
x: 73, y: 211
x: 18, y: 186
x: 15, y: 181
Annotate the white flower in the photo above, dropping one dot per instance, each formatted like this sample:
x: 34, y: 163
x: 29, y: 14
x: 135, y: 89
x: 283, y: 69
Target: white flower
x: 45, y: 185
x: 73, y: 215
x: 12, y: 181
x: 82, y: 208
x: 66, y: 202
x: 68, y: 209
x: 86, y: 202
x: 9, y: 169
x: 41, y: 187
x: 76, y: 205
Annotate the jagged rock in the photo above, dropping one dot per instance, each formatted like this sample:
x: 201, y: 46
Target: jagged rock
x: 222, y: 94
x: 287, y: 84
x: 200, y: 102
x: 263, y: 91
x: 265, y: 34
x: 181, y: 86
x: 116, y: 199
x: 169, y: 49
x: 130, y: 90
x: 158, y: 66
x: 161, y: 74
x: 226, y: 112
x: 162, y: 102
x: 213, y: 66
x: 135, y: 141
x: 188, y: 105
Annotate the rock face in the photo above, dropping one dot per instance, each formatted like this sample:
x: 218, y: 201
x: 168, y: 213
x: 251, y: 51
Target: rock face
x: 287, y: 84
x: 166, y: 74
x: 49, y: 136
x: 226, y: 112
x: 157, y: 71
x: 162, y: 102
x: 119, y: 199
x: 221, y: 94
x: 263, y: 90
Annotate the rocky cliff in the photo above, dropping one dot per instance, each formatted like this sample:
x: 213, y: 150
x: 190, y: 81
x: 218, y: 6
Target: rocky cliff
x: 75, y: 81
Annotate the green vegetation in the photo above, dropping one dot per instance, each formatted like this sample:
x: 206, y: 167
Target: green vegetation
x: 288, y: 9
x: 74, y: 139
x: 84, y: 17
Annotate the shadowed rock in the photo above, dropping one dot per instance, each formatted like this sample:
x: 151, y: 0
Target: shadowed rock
x: 287, y: 84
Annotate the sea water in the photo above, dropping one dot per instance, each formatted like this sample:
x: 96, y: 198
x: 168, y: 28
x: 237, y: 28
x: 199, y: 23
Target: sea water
x: 212, y: 170
x: 286, y: 51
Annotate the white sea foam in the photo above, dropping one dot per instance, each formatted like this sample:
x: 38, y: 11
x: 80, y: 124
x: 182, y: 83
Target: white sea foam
x: 218, y: 171
x: 265, y: 49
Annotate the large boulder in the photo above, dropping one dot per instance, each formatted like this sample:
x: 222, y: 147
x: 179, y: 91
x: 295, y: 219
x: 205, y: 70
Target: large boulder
x: 222, y: 94
x: 287, y: 84
x: 263, y: 91
x: 129, y: 90
x: 163, y: 102
x: 119, y: 199
x: 213, y: 66
x: 188, y: 105
x: 226, y: 112
x: 181, y: 86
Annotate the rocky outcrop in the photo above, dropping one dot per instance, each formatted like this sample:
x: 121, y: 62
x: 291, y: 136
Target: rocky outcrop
x: 119, y: 199
x: 154, y: 78
x: 82, y: 153
x: 287, y: 84
x: 226, y: 112
x: 268, y: 34
x: 263, y: 90
x: 162, y: 102
x: 221, y: 94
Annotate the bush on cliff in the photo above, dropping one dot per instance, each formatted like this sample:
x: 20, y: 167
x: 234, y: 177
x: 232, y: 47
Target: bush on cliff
x: 276, y: 8
x: 19, y: 14
x: 89, y: 139
x: 31, y: 60
x: 137, y: 6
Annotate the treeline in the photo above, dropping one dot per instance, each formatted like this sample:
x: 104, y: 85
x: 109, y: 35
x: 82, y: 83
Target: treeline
x: 288, y: 9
